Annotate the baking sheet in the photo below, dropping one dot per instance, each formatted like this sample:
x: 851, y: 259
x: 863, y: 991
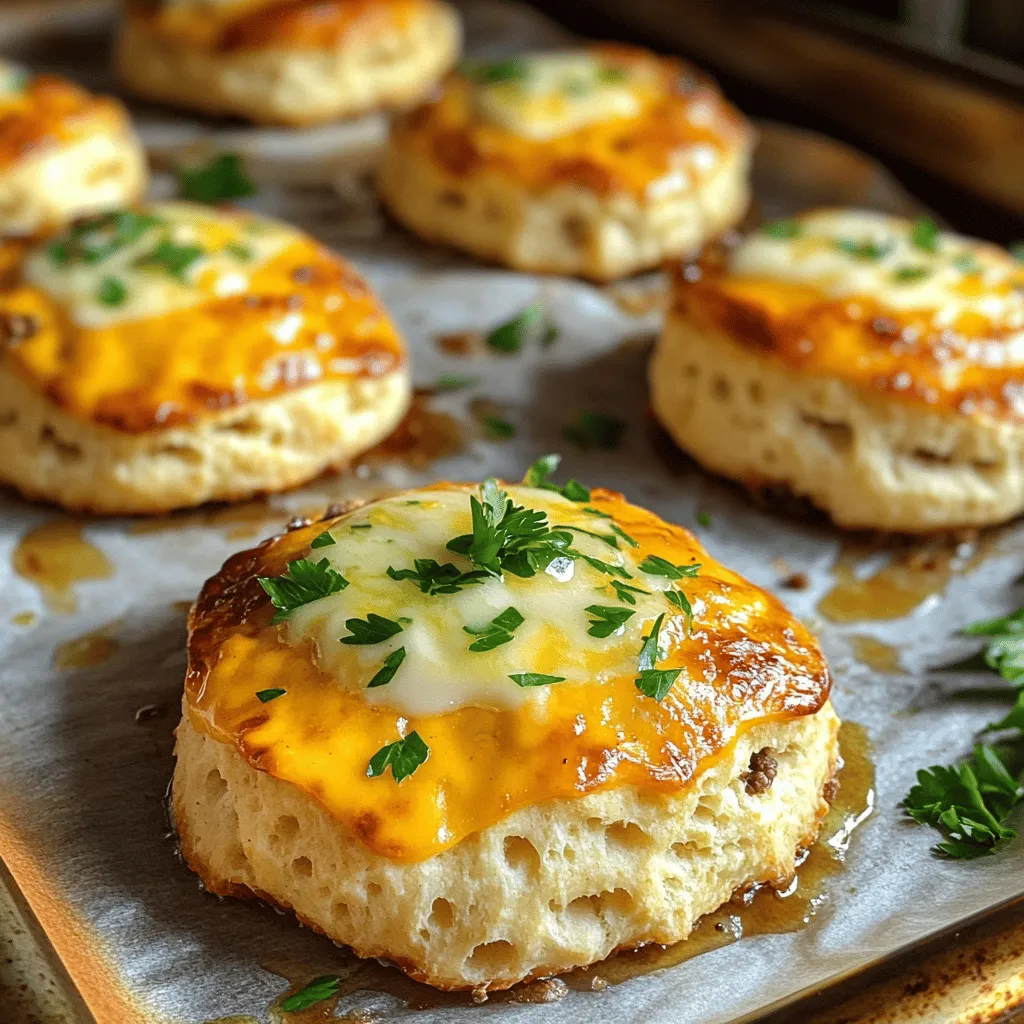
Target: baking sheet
x: 82, y: 780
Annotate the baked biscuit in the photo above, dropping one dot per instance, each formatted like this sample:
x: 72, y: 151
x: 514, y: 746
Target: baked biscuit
x: 176, y: 354
x: 63, y: 153
x: 298, y: 62
x: 870, y: 364
x: 521, y: 756
x: 599, y: 162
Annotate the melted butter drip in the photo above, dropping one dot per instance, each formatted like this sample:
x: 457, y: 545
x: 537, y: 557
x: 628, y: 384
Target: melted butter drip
x: 423, y: 436
x: 876, y: 654
x: 88, y: 650
x: 874, y: 584
x: 55, y: 556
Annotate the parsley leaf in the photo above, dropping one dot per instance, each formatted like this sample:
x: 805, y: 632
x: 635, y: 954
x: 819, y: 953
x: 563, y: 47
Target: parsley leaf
x: 239, y: 251
x: 265, y: 696
x: 864, y: 250
x: 534, y: 679
x: 510, y: 69
x: 607, y: 538
x: 1004, y: 651
x: 967, y: 803
x: 453, y: 382
x: 1016, y: 250
x: 595, y: 430
x: 528, y: 326
x: 704, y: 518
x: 404, y: 756
x: 925, y: 234
x: 374, y: 629
x: 222, y: 178
x: 1014, y: 718
x: 170, y: 256
x: 682, y: 602
x: 904, y: 275
x: 387, y: 673
x: 654, y: 565
x: 97, y: 238
x: 654, y: 682
x: 497, y: 632
x: 787, y: 228
x: 316, y: 991
x: 323, y: 540
x: 538, y: 473
x: 606, y: 567
x: 497, y: 428
x: 619, y: 532
x: 607, y: 620
x: 624, y: 592
x: 433, y: 578
x: 303, y: 582
x: 112, y: 291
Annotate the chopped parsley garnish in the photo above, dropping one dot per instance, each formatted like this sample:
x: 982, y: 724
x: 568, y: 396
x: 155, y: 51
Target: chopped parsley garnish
x: 967, y: 263
x: 111, y: 292
x: 1004, y: 649
x: 1014, y: 719
x: 606, y: 538
x: 170, y: 256
x: 362, y: 526
x: 864, y: 250
x: 904, y: 275
x: 704, y: 518
x: 925, y: 234
x: 611, y: 75
x: 968, y: 803
x: 265, y: 696
x: 622, y: 535
x: 1016, y: 250
x: 510, y: 69
x: 531, y: 325
x: 497, y: 632
x: 507, y: 537
x: 387, y: 673
x: 596, y: 512
x: 682, y: 602
x: 606, y: 567
x: 625, y: 592
x: 97, y: 238
x: 606, y: 620
x: 453, y: 382
x: 222, y: 178
x: 404, y: 756
x: 497, y: 428
x: 374, y: 629
x: 316, y: 991
x: 239, y: 251
x: 433, y: 578
x: 595, y: 430
x: 787, y: 228
x: 654, y: 682
x: 323, y: 540
x: 303, y: 582
x: 538, y: 473
x: 654, y: 565
x: 534, y: 679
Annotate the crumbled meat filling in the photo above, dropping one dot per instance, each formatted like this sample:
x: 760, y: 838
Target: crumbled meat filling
x: 763, y: 768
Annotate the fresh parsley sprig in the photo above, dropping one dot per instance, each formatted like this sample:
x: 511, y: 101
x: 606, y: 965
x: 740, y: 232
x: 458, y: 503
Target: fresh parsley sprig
x: 529, y: 326
x: 925, y: 234
x: 538, y: 473
x: 315, y: 992
x: 606, y: 620
x: 403, y: 757
x: 433, y: 578
x: 303, y: 582
x: 1004, y: 649
x: 96, y: 239
x: 624, y: 591
x: 534, y: 679
x: 655, y: 565
x: 652, y: 681
x: 374, y: 629
x: 496, y: 632
x: 390, y: 667
x: 220, y: 179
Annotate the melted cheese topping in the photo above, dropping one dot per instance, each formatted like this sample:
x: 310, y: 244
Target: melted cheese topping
x: 42, y: 111
x: 493, y: 747
x: 227, y: 25
x: 851, y: 294
x: 208, y: 309
x: 633, y: 122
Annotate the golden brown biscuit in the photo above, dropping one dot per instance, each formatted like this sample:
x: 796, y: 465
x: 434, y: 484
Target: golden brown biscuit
x: 63, y: 153
x: 176, y: 354
x: 495, y: 777
x: 871, y: 364
x: 298, y: 62
x: 599, y: 162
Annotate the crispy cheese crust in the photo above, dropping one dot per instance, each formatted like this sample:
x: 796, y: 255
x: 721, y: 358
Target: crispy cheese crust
x: 878, y: 377
x: 602, y: 199
x: 63, y: 153
x: 529, y: 841
x: 134, y: 385
x: 288, y: 63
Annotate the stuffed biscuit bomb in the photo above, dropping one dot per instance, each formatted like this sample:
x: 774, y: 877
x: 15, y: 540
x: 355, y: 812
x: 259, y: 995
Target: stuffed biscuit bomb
x: 286, y: 61
x: 63, y: 153
x: 177, y: 354
x: 493, y: 733
x: 870, y: 364
x: 599, y: 162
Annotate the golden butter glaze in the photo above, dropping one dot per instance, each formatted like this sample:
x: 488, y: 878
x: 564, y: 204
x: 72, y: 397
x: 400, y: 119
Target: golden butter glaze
x: 908, y: 355
x: 747, y: 661
x: 164, y: 370
x: 51, y: 112
x: 266, y: 24
x: 619, y: 155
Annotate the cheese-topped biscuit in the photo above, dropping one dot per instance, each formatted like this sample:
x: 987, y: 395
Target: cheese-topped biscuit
x: 175, y: 354
x: 63, y: 153
x: 600, y: 161
x: 494, y: 733
x: 300, y: 62
x: 871, y: 364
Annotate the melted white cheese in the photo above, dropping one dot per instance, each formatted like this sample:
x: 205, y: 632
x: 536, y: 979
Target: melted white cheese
x: 559, y: 93
x: 946, y: 283
x: 233, y: 246
x: 440, y: 673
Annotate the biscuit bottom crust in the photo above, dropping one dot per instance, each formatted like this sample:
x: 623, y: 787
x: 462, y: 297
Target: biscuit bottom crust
x: 567, y: 228
x: 258, y: 447
x: 551, y: 887
x: 292, y: 86
x: 869, y: 461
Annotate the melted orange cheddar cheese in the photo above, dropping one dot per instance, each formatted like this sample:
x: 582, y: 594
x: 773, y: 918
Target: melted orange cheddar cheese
x: 611, y: 118
x: 494, y: 746
x: 140, y: 320
x: 890, y: 305
x: 229, y: 25
x: 37, y: 112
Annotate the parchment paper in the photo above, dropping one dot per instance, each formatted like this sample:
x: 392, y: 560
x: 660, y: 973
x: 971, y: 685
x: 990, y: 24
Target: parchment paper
x: 82, y: 782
